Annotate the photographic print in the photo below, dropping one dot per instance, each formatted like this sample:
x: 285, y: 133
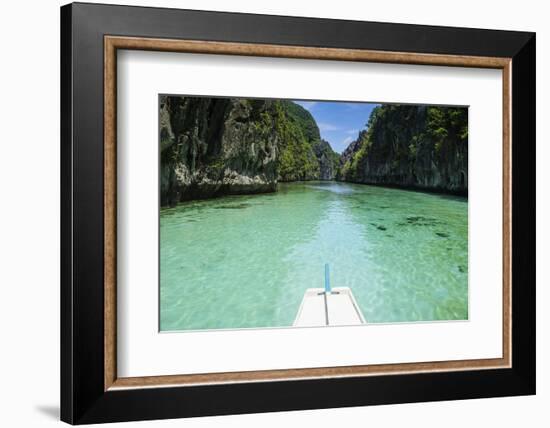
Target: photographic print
x: 309, y: 213
x: 298, y: 205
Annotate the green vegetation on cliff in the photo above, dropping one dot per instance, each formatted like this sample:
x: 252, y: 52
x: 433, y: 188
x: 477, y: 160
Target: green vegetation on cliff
x: 329, y: 160
x: 416, y: 146
x: 298, y: 132
x: 215, y: 146
x: 303, y: 154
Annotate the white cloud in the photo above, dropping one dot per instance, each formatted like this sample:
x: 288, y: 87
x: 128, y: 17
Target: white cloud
x: 323, y: 126
x: 352, y: 131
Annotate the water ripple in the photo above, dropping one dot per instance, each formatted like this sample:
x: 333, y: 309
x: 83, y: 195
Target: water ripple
x: 245, y: 261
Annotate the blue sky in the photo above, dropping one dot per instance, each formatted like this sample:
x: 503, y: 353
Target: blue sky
x: 339, y: 122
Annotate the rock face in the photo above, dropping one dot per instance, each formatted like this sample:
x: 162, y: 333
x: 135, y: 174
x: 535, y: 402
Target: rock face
x: 212, y: 146
x: 298, y: 133
x: 347, y: 156
x: 328, y: 160
x: 219, y: 146
x: 411, y: 146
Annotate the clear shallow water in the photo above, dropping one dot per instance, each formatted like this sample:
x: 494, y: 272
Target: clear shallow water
x: 246, y: 261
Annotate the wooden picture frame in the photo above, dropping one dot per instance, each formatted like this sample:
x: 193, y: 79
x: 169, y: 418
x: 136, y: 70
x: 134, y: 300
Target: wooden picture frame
x: 91, y: 390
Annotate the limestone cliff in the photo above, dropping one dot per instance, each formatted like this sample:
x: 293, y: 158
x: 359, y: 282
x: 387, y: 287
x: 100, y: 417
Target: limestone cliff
x: 411, y: 146
x: 328, y: 160
x: 219, y: 146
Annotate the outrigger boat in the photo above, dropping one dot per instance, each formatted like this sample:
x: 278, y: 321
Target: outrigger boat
x: 328, y: 306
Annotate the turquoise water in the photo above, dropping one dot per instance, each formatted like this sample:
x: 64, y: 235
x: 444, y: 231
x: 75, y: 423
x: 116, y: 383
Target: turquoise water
x: 246, y: 261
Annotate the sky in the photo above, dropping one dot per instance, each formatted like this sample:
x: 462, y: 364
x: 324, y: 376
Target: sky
x: 339, y: 122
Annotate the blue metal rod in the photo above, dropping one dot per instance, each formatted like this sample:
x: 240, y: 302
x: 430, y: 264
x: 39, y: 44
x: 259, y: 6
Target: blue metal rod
x: 327, y: 279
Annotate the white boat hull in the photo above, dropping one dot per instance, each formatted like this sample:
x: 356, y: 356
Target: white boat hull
x: 337, y: 307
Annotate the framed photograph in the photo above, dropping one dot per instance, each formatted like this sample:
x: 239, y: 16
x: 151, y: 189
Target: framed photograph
x: 265, y: 213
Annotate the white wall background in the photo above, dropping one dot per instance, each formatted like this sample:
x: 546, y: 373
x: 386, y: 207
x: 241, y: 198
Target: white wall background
x: 29, y: 214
